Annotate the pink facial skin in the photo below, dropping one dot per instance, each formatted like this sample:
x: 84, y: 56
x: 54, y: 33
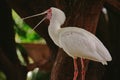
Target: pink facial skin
x: 49, y: 14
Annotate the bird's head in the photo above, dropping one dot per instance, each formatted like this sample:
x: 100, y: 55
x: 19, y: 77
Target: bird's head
x: 53, y: 14
x: 56, y: 14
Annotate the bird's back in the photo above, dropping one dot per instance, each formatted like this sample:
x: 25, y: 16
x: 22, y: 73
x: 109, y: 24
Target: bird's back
x: 78, y: 42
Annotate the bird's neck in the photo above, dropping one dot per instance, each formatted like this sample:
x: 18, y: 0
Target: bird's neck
x: 53, y: 30
x: 54, y: 26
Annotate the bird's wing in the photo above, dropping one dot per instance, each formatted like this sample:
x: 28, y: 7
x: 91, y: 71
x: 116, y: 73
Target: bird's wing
x: 81, y: 43
x: 102, y: 50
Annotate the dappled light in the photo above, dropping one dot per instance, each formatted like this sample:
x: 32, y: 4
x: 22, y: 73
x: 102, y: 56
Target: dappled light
x: 25, y: 34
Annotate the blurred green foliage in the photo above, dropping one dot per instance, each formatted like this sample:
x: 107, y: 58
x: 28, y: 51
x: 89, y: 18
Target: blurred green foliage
x: 24, y: 34
x: 38, y: 75
x: 2, y: 76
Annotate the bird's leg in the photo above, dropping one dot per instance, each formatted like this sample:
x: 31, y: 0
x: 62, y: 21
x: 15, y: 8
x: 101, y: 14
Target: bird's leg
x: 82, y: 69
x: 75, y: 69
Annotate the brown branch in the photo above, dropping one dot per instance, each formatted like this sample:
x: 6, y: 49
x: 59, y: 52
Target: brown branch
x: 115, y: 5
x: 63, y: 67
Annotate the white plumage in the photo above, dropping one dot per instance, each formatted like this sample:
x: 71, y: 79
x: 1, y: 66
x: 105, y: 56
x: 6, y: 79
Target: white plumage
x: 76, y: 42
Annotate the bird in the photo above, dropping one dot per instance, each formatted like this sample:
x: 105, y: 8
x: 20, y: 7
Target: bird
x: 76, y: 42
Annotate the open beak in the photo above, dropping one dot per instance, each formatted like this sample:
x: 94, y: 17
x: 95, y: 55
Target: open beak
x: 35, y: 15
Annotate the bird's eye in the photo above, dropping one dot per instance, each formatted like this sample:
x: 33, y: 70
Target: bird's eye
x: 50, y: 10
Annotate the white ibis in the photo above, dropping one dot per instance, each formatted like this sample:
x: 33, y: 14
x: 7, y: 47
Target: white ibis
x: 76, y: 42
